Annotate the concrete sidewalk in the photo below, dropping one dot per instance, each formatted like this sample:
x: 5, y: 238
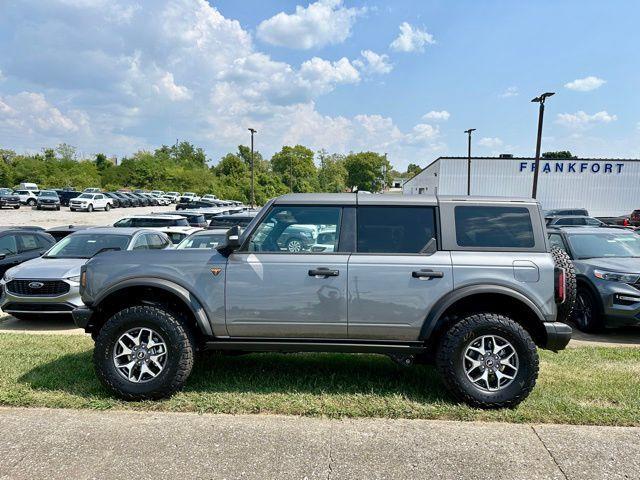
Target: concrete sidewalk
x: 67, y: 444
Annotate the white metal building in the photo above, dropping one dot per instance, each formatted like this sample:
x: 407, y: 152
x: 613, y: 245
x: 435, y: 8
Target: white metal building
x: 605, y: 187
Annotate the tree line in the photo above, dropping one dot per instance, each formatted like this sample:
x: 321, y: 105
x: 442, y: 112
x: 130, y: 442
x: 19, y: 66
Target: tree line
x: 185, y: 167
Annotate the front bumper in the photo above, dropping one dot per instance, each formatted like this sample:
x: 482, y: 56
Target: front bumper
x: 558, y: 335
x: 43, y: 305
x: 79, y: 206
x: 53, y: 206
x: 620, y: 303
x: 9, y: 203
x: 82, y: 316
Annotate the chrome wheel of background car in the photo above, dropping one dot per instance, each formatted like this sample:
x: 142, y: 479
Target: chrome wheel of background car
x: 140, y: 355
x: 490, y: 362
x: 294, y: 246
x: 31, y: 202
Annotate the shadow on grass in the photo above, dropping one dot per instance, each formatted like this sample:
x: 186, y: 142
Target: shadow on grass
x: 268, y: 373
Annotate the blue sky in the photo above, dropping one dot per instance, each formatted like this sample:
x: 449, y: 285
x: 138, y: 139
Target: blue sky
x: 402, y: 77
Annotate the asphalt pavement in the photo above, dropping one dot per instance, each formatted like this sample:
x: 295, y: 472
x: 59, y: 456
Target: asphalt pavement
x: 69, y: 444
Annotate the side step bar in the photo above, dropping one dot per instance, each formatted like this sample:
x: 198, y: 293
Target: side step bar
x: 315, y: 346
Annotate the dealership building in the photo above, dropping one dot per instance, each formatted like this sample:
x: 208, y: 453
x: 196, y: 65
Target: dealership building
x: 605, y: 187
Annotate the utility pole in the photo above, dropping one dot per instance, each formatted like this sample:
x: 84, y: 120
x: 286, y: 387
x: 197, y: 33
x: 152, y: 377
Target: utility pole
x: 253, y: 194
x: 468, y: 132
x: 539, y: 100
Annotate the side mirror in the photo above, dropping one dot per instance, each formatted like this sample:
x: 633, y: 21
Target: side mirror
x: 233, y: 241
x: 3, y: 256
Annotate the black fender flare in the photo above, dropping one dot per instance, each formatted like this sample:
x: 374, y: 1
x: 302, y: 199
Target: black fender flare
x: 435, y: 316
x: 192, y: 302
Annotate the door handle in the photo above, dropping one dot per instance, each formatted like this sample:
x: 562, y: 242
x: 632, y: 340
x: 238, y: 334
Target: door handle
x: 323, y: 272
x: 426, y: 273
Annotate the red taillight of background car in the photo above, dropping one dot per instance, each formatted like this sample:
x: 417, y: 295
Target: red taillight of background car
x: 560, y: 284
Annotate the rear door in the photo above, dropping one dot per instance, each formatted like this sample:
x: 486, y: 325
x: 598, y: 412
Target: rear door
x: 397, y: 272
x: 272, y: 292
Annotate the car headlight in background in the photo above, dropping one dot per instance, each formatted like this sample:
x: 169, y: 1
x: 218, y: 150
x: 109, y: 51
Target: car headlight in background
x: 616, y: 276
x: 8, y: 276
x: 75, y: 278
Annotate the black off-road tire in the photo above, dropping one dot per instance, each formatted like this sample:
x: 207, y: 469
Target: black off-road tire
x: 562, y: 260
x: 180, y: 343
x: 450, y: 360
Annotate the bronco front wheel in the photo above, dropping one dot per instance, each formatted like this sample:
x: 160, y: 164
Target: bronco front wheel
x: 144, y: 352
x: 487, y: 360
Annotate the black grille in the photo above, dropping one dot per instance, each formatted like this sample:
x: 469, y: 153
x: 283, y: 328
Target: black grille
x: 37, y: 307
x: 49, y: 288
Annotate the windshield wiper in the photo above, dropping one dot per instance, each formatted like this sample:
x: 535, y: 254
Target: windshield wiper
x: 106, y: 249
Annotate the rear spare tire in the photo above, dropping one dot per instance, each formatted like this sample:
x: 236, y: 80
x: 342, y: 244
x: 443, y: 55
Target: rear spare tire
x: 561, y: 260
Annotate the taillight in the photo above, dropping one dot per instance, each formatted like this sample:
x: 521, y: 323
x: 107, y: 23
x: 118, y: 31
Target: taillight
x: 560, y: 284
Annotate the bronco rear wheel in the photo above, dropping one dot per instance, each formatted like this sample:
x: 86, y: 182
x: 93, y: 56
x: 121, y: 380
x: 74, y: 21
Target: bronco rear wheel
x: 488, y: 361
x: 144, y: 352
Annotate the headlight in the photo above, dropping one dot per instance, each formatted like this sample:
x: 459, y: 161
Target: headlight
x: 616, y: 276
x: 75, y: 278
x: 8, y: 276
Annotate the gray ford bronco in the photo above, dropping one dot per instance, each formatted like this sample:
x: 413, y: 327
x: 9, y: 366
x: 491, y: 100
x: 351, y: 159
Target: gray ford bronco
x: 467, y: 283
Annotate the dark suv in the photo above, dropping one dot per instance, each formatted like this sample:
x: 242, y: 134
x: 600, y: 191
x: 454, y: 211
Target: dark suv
x: 607, y: 264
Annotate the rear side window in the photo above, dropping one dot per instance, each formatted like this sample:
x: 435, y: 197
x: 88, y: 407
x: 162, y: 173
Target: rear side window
x: 500, y: 227
x: 396, y: 229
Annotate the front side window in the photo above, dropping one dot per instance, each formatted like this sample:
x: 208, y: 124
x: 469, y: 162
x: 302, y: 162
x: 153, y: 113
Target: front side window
x: 396, y: 229
x: 8, y: 245
x: 203, y: 241
x: 556, y: 241
x: 498, y: 227
x: 296, y: 230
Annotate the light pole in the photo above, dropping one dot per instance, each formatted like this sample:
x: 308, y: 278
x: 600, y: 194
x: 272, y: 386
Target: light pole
x: 253, y: 195
x: 468, y: 132
x: 539, y: 100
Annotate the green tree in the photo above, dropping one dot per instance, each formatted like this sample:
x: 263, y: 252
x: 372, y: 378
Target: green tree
x: 102, y: 162
x: 413, y: 169
x: 232, y: 165
x: 64, y: 151
x: 332, y: 174
x: 367, y: 171
x: 560, y: 154
x: 295, y: 167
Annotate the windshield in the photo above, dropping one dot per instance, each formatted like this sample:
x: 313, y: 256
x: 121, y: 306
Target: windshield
x: 598, y: 245
x: 211, y: 240
x: 86, y: 195
x: 5, y: 191
x: 47, y: 193
x: 86, y: 245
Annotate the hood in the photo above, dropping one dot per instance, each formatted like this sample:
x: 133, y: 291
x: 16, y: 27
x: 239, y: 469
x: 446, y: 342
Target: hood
x: 624, y: 265
x: 48, y: 268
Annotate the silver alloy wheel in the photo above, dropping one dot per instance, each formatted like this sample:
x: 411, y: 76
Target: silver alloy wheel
x: 490, y: 363
x: 294, y: 246
x: 140, y: 355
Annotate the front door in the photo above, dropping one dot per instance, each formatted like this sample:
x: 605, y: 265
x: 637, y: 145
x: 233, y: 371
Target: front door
x: 283, y: 283
x: 397, y: 274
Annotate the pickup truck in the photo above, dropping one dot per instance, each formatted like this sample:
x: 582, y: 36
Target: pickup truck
x: 469, y: 284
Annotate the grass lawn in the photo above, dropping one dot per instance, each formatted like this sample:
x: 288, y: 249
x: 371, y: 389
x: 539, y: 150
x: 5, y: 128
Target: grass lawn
x: 581, y: 386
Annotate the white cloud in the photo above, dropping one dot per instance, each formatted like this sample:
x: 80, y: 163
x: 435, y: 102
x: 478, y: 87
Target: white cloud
x: 510, y: 92
x: 490, y: 142
x: 167, y: 86
x: 585, y: 84
x: 325, y: 22
x: 442, y: 115
x: 581, y: 120
x: 324, y: 74
x: 373, y: 62
x: 31, y: 112
x: 411, y: 39
x: 176, y: 69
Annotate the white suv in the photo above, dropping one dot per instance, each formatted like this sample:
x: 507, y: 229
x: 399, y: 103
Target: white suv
x: 90, y: 202
x: 28, y: 197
